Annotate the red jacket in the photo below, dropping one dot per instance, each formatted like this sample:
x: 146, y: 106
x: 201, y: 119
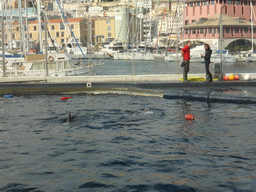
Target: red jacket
x: 186, y: 51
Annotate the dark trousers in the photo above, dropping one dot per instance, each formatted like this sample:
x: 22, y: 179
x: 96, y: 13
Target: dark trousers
x: 207, y: 70
x: 185, y: 64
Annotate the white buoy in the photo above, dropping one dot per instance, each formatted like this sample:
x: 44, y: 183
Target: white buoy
x: 247, y: 77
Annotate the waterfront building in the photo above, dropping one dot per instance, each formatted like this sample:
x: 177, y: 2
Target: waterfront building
x: 202, y: 23
x: 103, y: 30
x: 59, y: 31
x: 195, y: 9
x: 207, y: 30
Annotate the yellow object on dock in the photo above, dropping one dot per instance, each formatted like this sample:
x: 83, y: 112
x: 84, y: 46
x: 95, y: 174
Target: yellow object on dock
x: 197, y: 79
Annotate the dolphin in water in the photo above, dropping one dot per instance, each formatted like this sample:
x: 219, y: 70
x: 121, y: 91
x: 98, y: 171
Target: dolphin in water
x: 70, y: 118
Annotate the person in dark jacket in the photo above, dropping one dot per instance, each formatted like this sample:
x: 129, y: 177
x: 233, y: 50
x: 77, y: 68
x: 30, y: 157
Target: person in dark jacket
x: 207, y: 61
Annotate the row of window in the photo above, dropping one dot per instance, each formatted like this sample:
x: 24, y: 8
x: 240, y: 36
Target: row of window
x: 204, y: 3
x: 225, y: 11
x: 62, y: 27
x: 217, y: 30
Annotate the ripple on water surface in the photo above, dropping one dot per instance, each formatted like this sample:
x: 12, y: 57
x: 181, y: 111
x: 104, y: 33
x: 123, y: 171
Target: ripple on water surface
x: 125, y: 143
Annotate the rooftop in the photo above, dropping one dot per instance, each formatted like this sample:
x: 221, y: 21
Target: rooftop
x: 214, y: 21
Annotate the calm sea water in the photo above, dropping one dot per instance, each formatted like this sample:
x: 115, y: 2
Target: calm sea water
x: 125, y: 143
x: 127, y: 67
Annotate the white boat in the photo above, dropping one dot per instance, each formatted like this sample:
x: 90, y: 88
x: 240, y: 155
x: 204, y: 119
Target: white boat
x: 149, y: 56
x: 75, y: 51
x: 227, y: 59
x: 137, y: 56
x: 159, y: 57
x: 34, y: 65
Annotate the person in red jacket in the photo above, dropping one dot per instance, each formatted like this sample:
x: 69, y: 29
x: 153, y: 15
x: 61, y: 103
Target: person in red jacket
x: 185, y: 52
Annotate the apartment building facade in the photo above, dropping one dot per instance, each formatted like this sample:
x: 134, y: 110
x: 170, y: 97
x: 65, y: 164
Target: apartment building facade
x: 58, y: 30
x: 103, y: 29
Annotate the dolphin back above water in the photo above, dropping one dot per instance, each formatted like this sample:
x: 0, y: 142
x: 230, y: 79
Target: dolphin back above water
x: 69, y: 119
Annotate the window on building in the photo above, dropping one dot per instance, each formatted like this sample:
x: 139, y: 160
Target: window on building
x: 246, y: 30
x: 205, y: 2
x: 193, y: 21
x: 72, y: 26
x: 191, y: 4
x: 218, y: 30
x: 62, y: 26
x: 109, y: 34
x: 34, y: 28
x: 236, y: 30
x: 52, y: 27
x: 186, y: 22
x: 109, y: 28
x: 213, y: 2
x: 242, y: 10
x: 241, y: 30
x: 42, y: 27
x: 253, y: 3
x: 234, y: 10
x: 13, y: 36
x: 62, y: 34
x: 30, y: 35
x: 186, y: 31
x: 214, y: 30
x: 198, y: 3
x: 62, y: 40
x: 229, y: 2
x: 194, y: 31
x: 210, y: 30
x: 254, y: 29
x: 17, y: 28
x: 245, y: 2
x: 237, y: 2
x: 205, y: 31
x: 108, y: 21
x: 57, y: 34
x: 227, y: 30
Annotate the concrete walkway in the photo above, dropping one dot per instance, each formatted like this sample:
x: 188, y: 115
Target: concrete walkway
x: 58, y: 85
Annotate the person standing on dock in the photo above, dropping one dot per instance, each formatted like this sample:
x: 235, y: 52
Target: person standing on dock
x: 207, y: 61
x: 185, y: 52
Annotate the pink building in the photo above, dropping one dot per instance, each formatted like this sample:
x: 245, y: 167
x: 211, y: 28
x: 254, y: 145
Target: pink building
x: 201, y: 21
x: 208, y: 28
x: 195, y: 9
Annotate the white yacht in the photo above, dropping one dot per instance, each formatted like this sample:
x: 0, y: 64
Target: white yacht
x: 34, y: 65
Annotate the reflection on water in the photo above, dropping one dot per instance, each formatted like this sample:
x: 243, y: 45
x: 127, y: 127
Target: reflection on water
x: 125, y: 143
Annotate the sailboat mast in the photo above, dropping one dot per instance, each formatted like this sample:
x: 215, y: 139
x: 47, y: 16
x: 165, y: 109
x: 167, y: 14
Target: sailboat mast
x: 177, y: 34
x: 90, y: 38
x: 10, y: 26
x: 3, y: 42
x: 27, y: 37
x: 39, y: 24
x: 251, y: 25
x: 21, y: 25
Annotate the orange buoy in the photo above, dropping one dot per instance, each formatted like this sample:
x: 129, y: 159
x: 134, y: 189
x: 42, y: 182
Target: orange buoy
x: 225, y: 78
x: 51, y: 58
x: 65, y: 98
x: 189, y: 117
x: 231, y: 77
x: 236, y: 77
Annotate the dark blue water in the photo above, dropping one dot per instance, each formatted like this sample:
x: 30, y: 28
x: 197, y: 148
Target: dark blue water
x: 125, y: 143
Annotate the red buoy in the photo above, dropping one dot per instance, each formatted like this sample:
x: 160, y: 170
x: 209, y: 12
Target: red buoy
x: 189, y: 117
x: 236, y: 77
x: 225, y: 78
x: 65, y: 98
